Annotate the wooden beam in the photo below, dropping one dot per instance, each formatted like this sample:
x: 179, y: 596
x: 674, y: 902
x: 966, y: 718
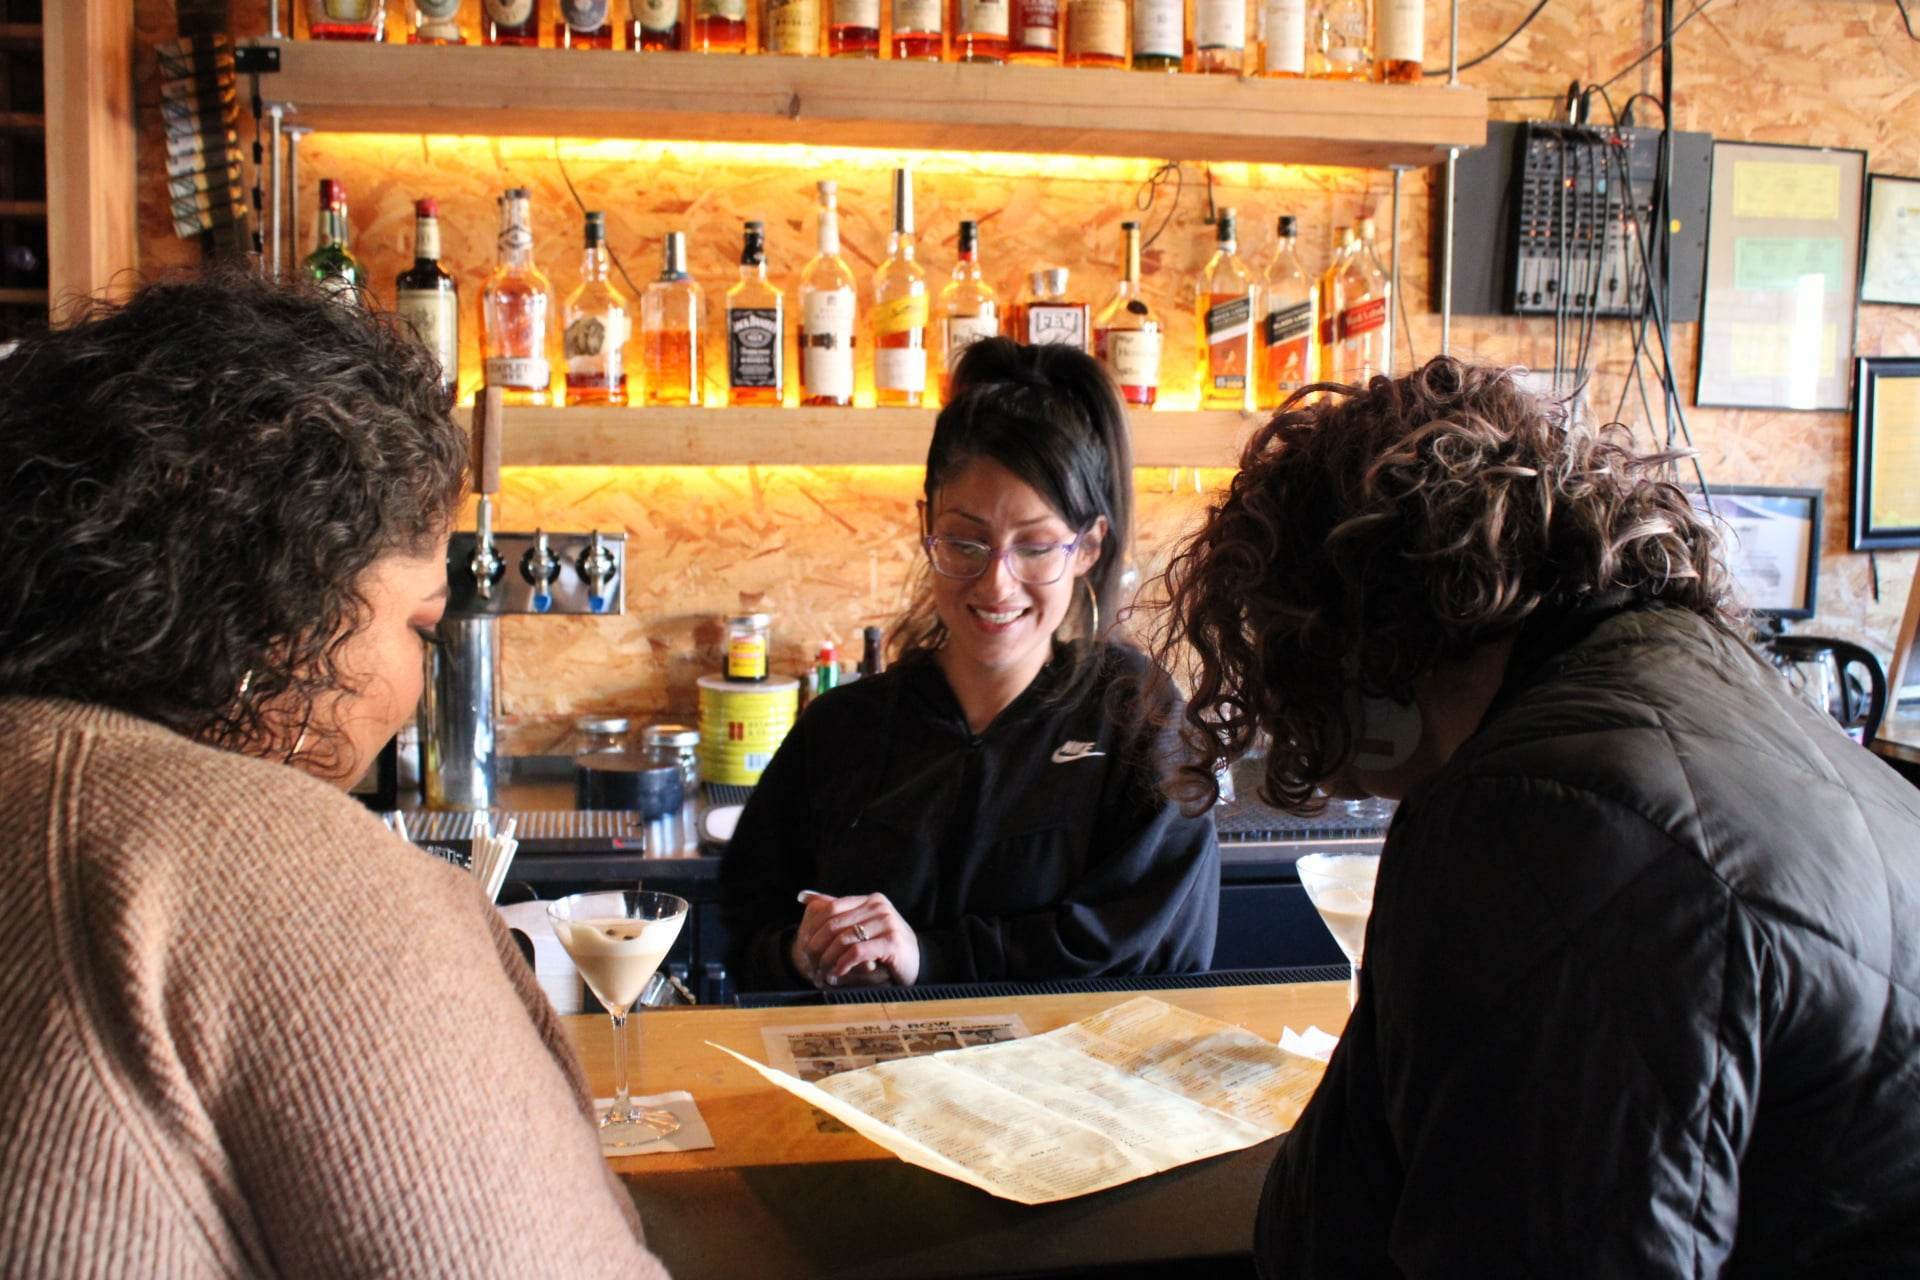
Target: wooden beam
x: 90, y: 149
x: 942, y: 106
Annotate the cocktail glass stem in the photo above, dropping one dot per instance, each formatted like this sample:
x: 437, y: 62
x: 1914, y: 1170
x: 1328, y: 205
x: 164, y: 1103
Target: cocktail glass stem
x: 622, y: 1110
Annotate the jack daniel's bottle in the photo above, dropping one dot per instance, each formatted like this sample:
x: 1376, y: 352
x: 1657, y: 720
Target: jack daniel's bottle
x: 756, y: 329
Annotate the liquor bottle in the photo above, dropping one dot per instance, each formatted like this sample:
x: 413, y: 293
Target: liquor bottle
x: 853, y: 28
x: 1366, y: 316
x: 670, y: 315
x: 899, y: 314
x: 1127, y: 335
x: 1049, y: 315
x: 511, y: 22
x: 332, y: 265
x: 1224, y: 308
x: 1219, y: 37
x: 342, y: 19
x: 516, y: 311
x: 1400, y: 40
x: 790, y: 27
x: 1035, y: 34
x: 980, y: 30
x: 719, y: 26
x: 872, y: 660
x: 1287, y: 357
x: 969, y: 308
x: 654, y: 26
x: 1283, y: 45
x: 918, y: 33
x: 1097, y: 33
x: 584, y: 24
x: 1159, y: 34
x: 594, y: 336
x: 1327, y: 298
x: 1343, y: 40
x: 427, y: 298
x: 756, y: 329
x: 436, y: 22
x: 827, y: 303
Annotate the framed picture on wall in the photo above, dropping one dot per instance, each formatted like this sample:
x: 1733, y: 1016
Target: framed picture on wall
x: 1771, y: 537
x: 1886, y: 454
x: 1783, y: 276
x: 1890, y: 270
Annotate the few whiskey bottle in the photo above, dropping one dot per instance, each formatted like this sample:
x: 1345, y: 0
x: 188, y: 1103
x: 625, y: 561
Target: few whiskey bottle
x: 1035, y: 35
x: 1287, y: 356
x: 1366, y: 317
x: 1049, y: 316
x: 1400, y: 40
x: 516, y: 311
x: 332, y: 265
x: 670, y: 316
x: 1283, y: 44
x: 756, y: 329
x: 919, y: 35
x: 853, y: 28
x: 969, y: 309
x: 436, y: 22
x: 719, y: 26
x: 1224, y: 306
x: 1096, y: 33
x: 790, y: 27
x: 584, y: 24
x: 1126, y: 335
x: 980, y: 30
x: 511, y: 22
x: 1159, y: 35
x: 594, y: 333
x: 1328, y: 296
x: 900, y: 310
x: 342, y: 19
x: 654, y: 26
x: 1219, y: 37
x: 427, y: 298
x: 827, y: 303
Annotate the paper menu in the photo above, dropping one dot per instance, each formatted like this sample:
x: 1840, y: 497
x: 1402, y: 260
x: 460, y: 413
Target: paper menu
x: 1138, y: 1089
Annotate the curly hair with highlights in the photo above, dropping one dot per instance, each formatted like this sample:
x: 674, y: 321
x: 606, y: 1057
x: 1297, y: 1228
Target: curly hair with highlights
x: 1373, y: 535
x: 198, y: 480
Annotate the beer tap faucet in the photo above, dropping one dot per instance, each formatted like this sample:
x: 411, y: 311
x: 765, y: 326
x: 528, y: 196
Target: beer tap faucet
x: 485, y: 564
x: 598, y: 571
x: 539, y: 566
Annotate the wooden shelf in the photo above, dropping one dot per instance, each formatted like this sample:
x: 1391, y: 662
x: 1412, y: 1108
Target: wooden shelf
x: 544, y: 437
x: 380, y: 88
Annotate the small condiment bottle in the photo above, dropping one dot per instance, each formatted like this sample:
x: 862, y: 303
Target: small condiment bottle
x: 748, y: 644
x: 826, y: 670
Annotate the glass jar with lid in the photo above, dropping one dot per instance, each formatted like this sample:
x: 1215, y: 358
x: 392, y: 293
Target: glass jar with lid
x: 749, y: 647
x: 593, y: 735
x: 679, y: 745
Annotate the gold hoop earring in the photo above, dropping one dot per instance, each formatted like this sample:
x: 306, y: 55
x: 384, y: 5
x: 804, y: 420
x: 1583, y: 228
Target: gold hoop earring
x: 1093, y: 603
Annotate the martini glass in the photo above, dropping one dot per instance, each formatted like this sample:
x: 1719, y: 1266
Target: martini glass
x: 617, y: 941
x: 1340, y: 886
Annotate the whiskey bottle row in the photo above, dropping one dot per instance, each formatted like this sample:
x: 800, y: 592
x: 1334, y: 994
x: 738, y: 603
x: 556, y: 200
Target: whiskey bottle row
x: 1262, y: 335
x: 1337, y: 39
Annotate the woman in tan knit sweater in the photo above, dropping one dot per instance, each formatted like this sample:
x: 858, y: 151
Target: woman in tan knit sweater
x: 243, y: 1030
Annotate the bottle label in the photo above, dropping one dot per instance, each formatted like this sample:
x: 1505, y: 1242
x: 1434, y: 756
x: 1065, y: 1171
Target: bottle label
x: 864, y: 14
x: 964, y: 331
x: 983, y: 18
x: 900, y: 315
x: 722, y: 10
x: 1285, y: 48
x: 1039, y: 24
x: 916, y: 16
x: 1284, y: 324
x: 747, y: 658
x: 1158, y: 28
x: 1402, y: 30
x: 1289, y: 341
x: 584, y: 15
x: 593, y: 345
x: 434, y: 315
x: 793, y: 26
x: 519, y: 372
x: 826, y: 342
x: 754, y: 348
x: 515, y: 238
x: 1219, y: 24
x: 1346, y: 35
x: 658, y: 16
x: 1229, y: 323
x: 1054, y: 324
x: 1134, y: 356
x: 426, y: 238
x: 900, y: 368
x: 1363, y: 318
x: 510, y: 13
x: 1097, y: 28
x: 341, y: 287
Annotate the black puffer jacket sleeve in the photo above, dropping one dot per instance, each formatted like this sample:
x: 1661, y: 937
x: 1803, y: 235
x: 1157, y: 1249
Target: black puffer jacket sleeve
x: 1522, y: 1100
x: 770, y: 859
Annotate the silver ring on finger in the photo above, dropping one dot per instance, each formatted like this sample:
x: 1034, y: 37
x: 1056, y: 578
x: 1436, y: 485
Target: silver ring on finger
x: 860, y: 933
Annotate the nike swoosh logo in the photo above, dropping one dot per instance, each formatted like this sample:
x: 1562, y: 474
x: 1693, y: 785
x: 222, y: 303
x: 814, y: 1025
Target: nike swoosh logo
x: 1068, y: 752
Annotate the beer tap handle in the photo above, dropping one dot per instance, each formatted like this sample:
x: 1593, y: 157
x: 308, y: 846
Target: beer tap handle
x: 488, y: 414
x: 597, y: 568
x: 540, y: 567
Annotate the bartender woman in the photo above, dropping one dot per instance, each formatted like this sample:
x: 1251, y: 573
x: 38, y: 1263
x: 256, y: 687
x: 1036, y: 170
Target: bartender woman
x: 986, y: 808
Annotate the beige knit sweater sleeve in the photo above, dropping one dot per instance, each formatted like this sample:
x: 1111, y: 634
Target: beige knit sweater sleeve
x: 344, y: 1066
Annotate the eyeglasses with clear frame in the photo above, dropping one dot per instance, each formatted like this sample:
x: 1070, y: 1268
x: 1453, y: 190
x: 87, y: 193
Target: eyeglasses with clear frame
x: 1036, y: 564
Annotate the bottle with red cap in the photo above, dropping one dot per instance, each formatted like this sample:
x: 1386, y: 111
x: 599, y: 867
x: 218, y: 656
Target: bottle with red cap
x: 427, y: 298
x: 332, y: 265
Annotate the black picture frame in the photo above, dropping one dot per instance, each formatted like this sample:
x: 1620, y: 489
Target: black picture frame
x: 1803, y: 505
x: 1870, y: 530
x: 1880, y: 281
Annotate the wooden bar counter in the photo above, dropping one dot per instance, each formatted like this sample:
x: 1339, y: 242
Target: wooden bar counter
x: 786, y: 1191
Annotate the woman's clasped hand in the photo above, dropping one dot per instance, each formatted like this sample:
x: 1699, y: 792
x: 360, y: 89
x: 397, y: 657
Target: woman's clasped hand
x: 856, y: 940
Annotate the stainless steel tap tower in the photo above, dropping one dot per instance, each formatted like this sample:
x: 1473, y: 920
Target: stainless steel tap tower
x: 557, y: 573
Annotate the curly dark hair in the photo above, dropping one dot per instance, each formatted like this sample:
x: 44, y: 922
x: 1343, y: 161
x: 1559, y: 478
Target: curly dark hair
x: 198, y: 478
x: 1371, y: 536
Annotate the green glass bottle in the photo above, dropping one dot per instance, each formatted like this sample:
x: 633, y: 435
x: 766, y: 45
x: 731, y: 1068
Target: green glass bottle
x: 332, y: 265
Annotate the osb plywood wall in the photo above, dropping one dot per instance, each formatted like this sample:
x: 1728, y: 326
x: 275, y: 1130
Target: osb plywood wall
x: 829, y: 550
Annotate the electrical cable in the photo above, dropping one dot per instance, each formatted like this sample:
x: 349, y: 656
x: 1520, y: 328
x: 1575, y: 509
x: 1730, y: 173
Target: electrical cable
x: 608, y: 243
x: 1149, y: 192
x: 1509, y: 38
